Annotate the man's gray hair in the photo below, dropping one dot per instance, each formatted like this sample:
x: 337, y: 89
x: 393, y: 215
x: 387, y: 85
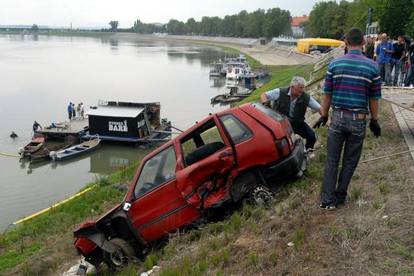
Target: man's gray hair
x: 297, y: 81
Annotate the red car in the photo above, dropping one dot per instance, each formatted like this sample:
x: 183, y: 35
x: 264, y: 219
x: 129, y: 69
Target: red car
x: 222, y: 159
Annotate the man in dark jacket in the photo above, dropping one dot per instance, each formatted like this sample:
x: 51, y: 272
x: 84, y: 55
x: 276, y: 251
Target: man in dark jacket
x: 293, y: 102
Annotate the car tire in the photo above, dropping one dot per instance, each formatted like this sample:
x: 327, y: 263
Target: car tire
x: 121, y: 257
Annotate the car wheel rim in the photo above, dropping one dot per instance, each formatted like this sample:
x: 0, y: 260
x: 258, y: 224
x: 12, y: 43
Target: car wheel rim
x: 117, y: 258
x: 262, y: 196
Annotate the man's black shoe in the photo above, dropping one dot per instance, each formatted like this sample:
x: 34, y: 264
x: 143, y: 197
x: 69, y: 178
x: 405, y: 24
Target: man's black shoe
x: 327, y: 206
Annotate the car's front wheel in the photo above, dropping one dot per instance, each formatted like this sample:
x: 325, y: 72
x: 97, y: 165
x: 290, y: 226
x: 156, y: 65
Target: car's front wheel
x: 122, y: 256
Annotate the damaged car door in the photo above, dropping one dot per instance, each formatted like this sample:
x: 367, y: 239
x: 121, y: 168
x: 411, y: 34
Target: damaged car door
x: 207, y: 159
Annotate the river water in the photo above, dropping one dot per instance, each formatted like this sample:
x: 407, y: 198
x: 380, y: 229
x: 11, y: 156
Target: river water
x: 40, y: 75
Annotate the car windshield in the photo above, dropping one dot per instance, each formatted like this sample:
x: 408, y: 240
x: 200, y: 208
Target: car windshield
x: 156, y: 171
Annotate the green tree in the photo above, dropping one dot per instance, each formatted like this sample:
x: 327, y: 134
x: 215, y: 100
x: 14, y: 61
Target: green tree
x: 229, y: 25
x: 35, y: 28
x: 410, y: 26
x: 272, y: 22
x: 395, y: 16
x: 176, y: 27
x: 256, y: 20
x: 138, y: 26
x: 358, y: 13
x: 276, y: 23
x: 322, y: 18
x: 191, y: 25
x: 240, y: 24
x: 114, y: 25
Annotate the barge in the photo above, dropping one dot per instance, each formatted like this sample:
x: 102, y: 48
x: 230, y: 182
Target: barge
x: 127, y: 122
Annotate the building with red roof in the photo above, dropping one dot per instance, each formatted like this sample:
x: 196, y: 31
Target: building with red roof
x: 296, y: 25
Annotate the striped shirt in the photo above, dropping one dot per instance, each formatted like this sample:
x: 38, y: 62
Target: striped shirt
x: 352, y: 80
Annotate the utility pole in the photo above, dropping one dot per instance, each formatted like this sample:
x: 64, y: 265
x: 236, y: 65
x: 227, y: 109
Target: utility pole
x: 369, y: 19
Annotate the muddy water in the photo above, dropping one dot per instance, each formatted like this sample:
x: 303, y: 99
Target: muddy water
x: 39, y: 75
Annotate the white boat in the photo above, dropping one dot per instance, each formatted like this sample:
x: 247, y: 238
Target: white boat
x: 217, y: 69
x: 237, y: 70
x: 240, y: 59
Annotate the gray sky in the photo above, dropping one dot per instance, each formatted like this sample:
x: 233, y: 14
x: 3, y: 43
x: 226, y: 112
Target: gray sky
x: 93, y: 13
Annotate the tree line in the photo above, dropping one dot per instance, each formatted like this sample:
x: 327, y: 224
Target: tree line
x: 260, y: 23
x: 332, y: 19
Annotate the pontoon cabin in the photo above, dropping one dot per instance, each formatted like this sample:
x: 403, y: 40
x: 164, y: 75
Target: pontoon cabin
x: 123, y: 121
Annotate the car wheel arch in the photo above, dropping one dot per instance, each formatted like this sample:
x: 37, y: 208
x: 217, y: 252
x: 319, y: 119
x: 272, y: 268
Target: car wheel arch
x: 243, y: 183
x: 121, y: 256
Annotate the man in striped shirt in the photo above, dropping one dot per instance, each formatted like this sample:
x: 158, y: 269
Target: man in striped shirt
x: 353, y: 89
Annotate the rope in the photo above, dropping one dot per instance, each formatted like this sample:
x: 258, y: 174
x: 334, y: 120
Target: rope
x: 9, y: 155
x: 386, y: 156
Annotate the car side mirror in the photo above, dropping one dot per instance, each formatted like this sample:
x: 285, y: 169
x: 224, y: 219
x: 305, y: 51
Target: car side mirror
x: 126, y: 206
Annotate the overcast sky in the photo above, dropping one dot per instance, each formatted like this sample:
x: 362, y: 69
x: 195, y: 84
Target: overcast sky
x: 97, y: 13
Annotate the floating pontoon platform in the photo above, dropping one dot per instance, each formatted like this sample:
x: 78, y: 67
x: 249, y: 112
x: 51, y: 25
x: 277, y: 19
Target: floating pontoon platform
x: 75, y: 128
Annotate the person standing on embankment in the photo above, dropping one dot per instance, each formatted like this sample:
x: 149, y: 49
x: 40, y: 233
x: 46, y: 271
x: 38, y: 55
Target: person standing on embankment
x: 352, y: 86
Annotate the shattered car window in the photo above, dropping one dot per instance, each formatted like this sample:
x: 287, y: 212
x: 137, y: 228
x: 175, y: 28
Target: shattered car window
x: 237, y: 130
x: 194, y: 145
x: 156, y: 171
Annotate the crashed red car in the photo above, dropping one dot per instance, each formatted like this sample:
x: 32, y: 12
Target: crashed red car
x: 225, y: 158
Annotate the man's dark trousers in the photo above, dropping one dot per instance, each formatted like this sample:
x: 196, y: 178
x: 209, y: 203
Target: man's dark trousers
x: 306, y: 132
x: 345, y: 132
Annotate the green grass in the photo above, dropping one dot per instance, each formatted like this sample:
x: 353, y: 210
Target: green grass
x: 281, y: 75
x: 14, y: 257
x: 61, y: 219
x: 298, y: 238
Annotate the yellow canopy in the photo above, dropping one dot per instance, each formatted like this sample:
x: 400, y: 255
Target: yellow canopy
x: 303, y: 45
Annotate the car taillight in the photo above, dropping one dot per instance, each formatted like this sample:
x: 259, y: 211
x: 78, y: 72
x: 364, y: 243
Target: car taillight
x: 282, y: 146
x: 291, y: 135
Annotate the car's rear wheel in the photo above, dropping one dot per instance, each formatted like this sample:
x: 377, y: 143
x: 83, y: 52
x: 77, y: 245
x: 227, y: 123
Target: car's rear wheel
x: 121, y: 257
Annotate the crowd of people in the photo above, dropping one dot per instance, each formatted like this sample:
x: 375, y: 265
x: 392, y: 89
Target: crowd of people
x: 395, y: 58
x: 77, y: 112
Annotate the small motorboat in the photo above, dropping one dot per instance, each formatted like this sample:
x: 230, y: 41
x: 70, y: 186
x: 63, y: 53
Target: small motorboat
x: 43, y: 153
x: 34, y: 145
x: 76, y: 150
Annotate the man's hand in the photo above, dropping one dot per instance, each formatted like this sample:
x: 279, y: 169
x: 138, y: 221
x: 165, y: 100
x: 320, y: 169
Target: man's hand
x: 375, y: 128
x: 321, y: 122
x: 267, y: 104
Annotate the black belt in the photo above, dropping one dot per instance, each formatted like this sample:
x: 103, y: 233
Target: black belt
x: 355, y: 114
